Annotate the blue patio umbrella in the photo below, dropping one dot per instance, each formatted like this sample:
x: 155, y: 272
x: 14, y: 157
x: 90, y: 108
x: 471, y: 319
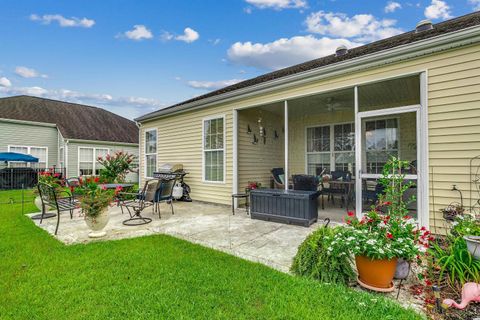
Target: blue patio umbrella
x: 13, y: 156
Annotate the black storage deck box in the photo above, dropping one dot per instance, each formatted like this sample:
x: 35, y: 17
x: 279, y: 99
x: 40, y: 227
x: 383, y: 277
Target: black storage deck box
x: 292, y: 206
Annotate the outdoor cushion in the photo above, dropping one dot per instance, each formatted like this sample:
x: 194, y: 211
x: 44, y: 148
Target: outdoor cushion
x: 281, y: 177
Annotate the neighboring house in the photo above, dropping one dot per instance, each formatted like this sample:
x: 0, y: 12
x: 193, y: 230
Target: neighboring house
x: 415, y: 95
x: 64, y: 135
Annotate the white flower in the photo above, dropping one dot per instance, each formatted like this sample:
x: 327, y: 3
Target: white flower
x: 371, y: 242
x: 400, y: 240
x: 380, y: 250
x: 411, y: 221
x: 454, y: 223
x: 350, y: 239
x: 362, y: 304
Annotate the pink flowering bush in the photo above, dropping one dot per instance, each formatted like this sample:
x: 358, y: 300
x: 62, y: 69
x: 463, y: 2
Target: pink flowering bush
x: 95, y: 198
x: 116, y: 166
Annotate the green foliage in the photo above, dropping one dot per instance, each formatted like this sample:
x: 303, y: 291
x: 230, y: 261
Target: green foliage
x: 387, y: 231
x: 318, y: 259
x: 455, y: 263
x: 94, y: 199
x: 393, y: 179
x: 465, y: 225
x: 116, y: 167
x: 157, y: 277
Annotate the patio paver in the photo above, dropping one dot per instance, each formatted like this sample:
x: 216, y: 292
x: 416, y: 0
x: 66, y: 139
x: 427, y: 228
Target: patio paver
x: 214, y: 226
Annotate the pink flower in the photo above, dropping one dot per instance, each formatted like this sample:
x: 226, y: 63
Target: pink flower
x: 104, y: 187
x: 389, y: 235
x: 351, y: 213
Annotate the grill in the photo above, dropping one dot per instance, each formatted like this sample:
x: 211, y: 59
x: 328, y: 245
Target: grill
x: 168, y: 171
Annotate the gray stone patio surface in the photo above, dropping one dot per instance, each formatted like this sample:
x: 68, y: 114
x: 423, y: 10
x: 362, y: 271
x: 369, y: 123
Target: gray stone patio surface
x: 270, y: 243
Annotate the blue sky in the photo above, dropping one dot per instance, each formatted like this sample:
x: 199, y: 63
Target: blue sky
x: 133, y: 57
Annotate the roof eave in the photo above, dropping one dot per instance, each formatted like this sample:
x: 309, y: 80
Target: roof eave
x: 422, y: 47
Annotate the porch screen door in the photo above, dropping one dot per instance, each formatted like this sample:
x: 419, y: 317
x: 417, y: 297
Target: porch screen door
x: 383, y: 134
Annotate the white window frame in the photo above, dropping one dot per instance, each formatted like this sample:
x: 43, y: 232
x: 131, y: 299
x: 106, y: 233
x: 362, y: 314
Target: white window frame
x: 399, y: 146
x: 149, y: 154
x: 224, y: 149
x: 332, y: 151
x: 28, y: 152
x: 94, y: 158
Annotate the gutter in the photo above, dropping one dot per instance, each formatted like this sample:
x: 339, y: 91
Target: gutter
x: 33, y: 123
x: 408, y: 51
x: 103, y: 142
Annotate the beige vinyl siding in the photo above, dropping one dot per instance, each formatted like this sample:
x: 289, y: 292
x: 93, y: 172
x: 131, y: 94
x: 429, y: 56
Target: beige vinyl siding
x: 23, y: 134
x: 255, y: 161
x: 72, y: 166
x: 453, y: 110
x: 179, y: 140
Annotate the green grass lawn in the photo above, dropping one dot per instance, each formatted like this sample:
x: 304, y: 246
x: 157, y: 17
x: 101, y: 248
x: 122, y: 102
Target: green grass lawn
x: 157, y: 277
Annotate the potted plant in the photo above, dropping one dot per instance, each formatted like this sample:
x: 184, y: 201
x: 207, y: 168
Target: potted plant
x: 252, y: 185
x: 468, y: 227
x: 386, y: 234
x: 94, y: 202
x: 50, y: 178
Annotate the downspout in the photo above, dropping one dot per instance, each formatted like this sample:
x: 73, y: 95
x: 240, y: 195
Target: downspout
x: 65, y: 158
x: 139, y: 126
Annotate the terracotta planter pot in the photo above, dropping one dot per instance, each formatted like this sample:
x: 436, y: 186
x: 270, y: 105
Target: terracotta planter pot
x: 376, y: 274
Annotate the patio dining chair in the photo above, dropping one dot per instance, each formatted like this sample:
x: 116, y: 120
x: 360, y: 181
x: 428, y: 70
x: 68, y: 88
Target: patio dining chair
x: 136, y: 202
x: 51, y: 199
x: 331, y: 189
x: 164, y: 194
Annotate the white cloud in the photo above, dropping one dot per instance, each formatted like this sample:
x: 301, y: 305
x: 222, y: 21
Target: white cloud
x: 166, y: 36
x: 284, y: 52
x: 214, y: 42
x: 438, y: 9
x: 212, y: 85
x: 189, y: 35
x: 277, y: 4
x: 247, y: 10
x: 361, y: 27
x: 129, y: 107
x: 4, y: 82
x: 25, y: 72
x: 392, y: 6
x: 475, y: 4
x: 62, y: 21
x: 138, y: 33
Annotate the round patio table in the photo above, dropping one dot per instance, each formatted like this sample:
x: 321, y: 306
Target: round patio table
x: 116, y: 185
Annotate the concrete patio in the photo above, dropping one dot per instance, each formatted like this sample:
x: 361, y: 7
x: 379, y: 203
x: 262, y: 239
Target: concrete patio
x: 270, y: 243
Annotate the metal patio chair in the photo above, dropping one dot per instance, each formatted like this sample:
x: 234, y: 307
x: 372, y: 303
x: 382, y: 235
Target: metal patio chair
x: 50, y: 199
x: 136, y: 202
x: 164, y: 193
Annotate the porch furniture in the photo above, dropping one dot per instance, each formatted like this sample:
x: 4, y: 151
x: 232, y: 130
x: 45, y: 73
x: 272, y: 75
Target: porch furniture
x: 305, y: 182
x: 287, y: 206
x: 138, y: 201
x: 164, y: 193
x: 116, y: 185
x: 240, y: 196
x: 278, y: 175
x: 331, y: 187
x: 50, y: 199
x: 371, y: 196
x: 347, y: 187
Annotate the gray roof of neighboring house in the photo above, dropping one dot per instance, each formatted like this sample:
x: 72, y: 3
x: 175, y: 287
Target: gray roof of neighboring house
x: 441, y: 28
x: 75, y: 121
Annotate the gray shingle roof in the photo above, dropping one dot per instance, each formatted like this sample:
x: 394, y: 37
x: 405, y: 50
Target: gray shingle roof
x: 75, y: 121
x: 441, y: 28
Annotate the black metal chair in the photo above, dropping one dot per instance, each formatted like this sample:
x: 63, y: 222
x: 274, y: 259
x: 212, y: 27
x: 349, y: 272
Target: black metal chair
x: 138, y: 201
x: 334, y: 189
x: 305, y: 182
x: 50, y: 199
x: 164, y: 193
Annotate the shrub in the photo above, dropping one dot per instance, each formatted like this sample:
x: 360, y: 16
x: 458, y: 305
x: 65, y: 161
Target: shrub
x: 116, y: 167
x: 317, y: 258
